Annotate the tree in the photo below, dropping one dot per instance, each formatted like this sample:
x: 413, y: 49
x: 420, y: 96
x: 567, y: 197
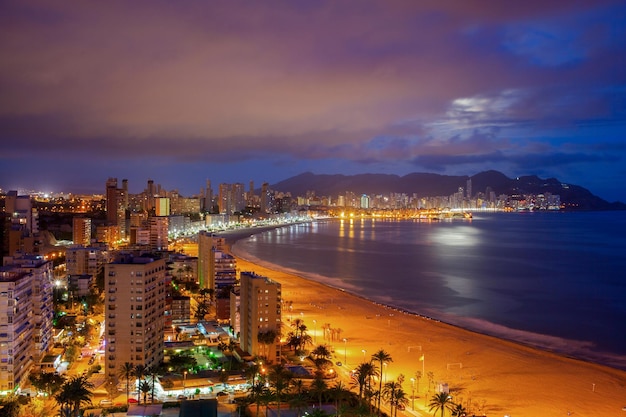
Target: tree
x: 154, y: 373
x: 266, y: 339
x: 362, y: 378
x: 418, y: 376
x: 381, y: 357
x: 441, y: 401
x: 279, y: 378
x: 431, y: 378
x: 48, y: 382
x: 257, y: 390
x: 126, y: 371
x: 318, y: 389
x: 139, y: 372
x: 73, y: 393
x: 145, y: 387
x: 389, y: 393
x: 459, y: 411
x: 339, y: 393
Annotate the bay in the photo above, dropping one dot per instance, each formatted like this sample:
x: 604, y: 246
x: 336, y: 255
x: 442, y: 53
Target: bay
x: 548, y: 279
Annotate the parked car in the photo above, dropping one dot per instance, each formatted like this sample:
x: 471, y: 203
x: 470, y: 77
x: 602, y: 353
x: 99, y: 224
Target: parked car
x: 182, y: 397
x: 106, y: 403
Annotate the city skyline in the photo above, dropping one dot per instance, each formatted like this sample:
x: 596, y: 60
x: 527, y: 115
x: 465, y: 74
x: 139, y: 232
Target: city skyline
x: 234, y: 92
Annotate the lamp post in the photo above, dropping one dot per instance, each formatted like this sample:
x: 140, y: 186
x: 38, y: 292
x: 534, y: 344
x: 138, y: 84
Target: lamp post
x: 314, y: 332
x: 384, y: 372
x: 413, y: 394
x: 345, y: 350
x: 184, y: 381
x: 363, y: 350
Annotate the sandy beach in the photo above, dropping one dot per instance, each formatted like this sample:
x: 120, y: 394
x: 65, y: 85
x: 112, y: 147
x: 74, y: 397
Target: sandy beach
x: 486, y: 374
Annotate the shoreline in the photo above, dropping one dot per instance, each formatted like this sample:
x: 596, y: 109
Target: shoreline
x: 570, y: 348
x: 491, y: 374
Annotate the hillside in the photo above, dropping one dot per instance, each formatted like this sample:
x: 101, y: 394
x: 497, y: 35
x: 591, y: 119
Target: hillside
x: 428, y: 185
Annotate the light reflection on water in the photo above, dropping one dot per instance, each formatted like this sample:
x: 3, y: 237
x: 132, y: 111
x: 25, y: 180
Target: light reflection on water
x: 539, y: 273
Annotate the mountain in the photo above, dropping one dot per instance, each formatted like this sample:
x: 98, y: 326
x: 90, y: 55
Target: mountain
x: 430, y: 185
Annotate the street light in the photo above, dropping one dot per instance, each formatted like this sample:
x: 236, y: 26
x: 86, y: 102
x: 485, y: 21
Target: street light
x: 314, y: 331
x: 344, y: 350
x: 384, y: 372
x: 184, y: 380
x: 363, y: 350
x: 413, y: 393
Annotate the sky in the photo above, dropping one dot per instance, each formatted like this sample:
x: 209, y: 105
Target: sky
x: 182, y: 92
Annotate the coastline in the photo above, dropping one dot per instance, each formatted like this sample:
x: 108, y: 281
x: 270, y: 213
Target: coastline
x: 491, y: 374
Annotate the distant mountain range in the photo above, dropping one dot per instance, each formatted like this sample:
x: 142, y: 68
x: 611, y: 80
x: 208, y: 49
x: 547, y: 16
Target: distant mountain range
x: 430, y: 185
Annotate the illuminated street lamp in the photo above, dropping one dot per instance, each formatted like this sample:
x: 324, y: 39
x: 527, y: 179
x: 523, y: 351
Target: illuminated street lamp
x: 363, y: 350
x: 184, y: 381
x: 345, y: 350
x: 314, y: 331
x: 413, y: 393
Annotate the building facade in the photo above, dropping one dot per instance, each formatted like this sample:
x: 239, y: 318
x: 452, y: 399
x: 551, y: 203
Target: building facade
x: 135, y: 291
x: 260, y: 312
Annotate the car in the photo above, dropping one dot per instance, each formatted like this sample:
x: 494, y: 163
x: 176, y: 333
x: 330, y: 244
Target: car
x: 222, y: 394
x: 401, y: 407
x: 338, y: 363
x: 106, y: 403
x: 182, y: 397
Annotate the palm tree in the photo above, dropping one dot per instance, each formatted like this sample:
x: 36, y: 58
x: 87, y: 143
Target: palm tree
x: 74, y: 393
x: 145, y: 387
x: 459, y: 411
x: 267, y: 338
x: 139, y: 371
x: 363, y: 377
x: 258, y: 390
x: 251, y: 371
x: 339, y: 393
x: 381, y: 356
x: 319, y: 388
x: 154, y: 373
x: 279, y: 378
x: 441, y: 401
x: 126, y: 371
x: 299, y: 402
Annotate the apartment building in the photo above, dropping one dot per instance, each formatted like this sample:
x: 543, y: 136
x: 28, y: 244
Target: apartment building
x: 135, y: 292
x: 26, y: 312
x: 260, y: 312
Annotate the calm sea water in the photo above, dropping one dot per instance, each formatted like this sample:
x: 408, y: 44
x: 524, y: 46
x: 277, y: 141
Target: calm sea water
x: 553, y: 280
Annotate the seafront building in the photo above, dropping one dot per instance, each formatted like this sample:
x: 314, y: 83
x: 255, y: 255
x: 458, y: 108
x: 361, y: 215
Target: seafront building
x: 135, y: 295
x: 259, y: 313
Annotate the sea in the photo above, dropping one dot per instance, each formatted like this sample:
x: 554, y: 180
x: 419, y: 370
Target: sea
x: 552, y: 280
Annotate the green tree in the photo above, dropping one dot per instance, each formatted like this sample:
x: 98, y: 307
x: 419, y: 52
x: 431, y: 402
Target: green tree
x: 441, y: 402
x: 381, y: 357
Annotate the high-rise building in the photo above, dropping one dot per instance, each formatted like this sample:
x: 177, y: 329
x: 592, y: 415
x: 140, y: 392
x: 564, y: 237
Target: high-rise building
x: 90, y: 260
x: 117, y: 200
x: 135, y: 290
x: 158, y: 233
x: 260, y: 312
x: 26, y: 312
x: 81, y: 231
